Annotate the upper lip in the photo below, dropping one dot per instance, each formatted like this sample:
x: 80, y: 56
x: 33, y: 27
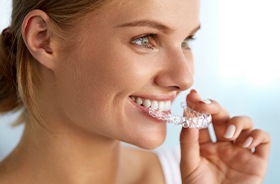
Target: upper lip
x: 158, y: 97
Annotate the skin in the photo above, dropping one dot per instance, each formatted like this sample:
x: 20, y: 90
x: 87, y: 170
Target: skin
x: 84, y: 99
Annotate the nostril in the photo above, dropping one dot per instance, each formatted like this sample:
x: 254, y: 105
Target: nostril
x: 173, y: 83
x: 177, y: 88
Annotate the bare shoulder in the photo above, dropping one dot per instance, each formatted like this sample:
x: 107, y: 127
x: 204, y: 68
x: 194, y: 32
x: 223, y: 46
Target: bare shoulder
x: 143, y: 165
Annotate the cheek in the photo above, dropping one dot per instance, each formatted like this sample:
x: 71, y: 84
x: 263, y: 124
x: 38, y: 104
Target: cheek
x: 96, y: 81
x: 115, y: 71
x: 93, y: 88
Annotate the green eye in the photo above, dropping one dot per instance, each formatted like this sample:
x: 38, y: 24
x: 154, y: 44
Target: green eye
x: 143, y: 41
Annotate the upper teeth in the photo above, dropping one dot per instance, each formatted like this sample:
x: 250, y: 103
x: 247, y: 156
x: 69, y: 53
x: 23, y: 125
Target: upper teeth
x: 160, y: 105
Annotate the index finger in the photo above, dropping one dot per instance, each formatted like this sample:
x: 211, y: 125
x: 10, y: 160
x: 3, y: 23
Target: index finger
x: 220, y: 116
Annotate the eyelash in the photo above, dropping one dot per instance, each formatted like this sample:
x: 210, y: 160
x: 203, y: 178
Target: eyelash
x: 144, y: 41
x: 185, y: 43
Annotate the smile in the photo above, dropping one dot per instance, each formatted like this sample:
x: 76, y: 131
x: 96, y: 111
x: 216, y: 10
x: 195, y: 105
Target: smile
x: 156, y: 105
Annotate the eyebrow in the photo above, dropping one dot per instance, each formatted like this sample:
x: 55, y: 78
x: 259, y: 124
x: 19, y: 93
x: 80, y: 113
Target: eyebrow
x: 154, y: 24
x: 147, y: 23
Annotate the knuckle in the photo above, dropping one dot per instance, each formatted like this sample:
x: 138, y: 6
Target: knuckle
x: 258, y: 131
x: 242, y: 120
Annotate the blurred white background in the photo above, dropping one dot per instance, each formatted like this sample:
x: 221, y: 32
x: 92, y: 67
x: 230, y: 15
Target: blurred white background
x: 237, y: 64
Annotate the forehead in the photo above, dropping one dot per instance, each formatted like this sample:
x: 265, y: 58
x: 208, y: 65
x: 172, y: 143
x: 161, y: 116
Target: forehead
x: 173, y: 13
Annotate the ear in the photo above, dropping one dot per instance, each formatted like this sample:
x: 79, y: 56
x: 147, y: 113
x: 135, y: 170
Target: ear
x: 37, y: 34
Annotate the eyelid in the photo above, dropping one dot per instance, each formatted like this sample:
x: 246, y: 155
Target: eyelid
x: 191, y: 37
x: 185, y: 43
x: 151, y: 40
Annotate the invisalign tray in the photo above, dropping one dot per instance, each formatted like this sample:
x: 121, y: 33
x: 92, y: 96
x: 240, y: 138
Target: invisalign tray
x: 192, y: 118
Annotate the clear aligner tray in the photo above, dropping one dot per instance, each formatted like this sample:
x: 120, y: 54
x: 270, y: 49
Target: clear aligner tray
x: 192, y: 118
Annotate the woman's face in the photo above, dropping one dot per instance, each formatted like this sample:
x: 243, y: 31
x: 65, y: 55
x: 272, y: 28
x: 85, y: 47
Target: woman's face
x: 129, y: 50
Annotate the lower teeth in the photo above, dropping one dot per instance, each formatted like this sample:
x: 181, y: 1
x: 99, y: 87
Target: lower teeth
x: 193, y: 119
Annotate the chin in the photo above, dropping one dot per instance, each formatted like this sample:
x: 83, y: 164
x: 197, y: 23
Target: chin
x: 150, y: 142
x: 150, y: 146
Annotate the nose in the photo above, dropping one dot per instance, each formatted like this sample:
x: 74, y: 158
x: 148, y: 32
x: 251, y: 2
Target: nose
x: 177, y: 72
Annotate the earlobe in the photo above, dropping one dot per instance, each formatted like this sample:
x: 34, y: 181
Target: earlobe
x: 36, y: 33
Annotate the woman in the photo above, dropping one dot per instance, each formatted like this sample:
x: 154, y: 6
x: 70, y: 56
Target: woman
x: 86, y: 73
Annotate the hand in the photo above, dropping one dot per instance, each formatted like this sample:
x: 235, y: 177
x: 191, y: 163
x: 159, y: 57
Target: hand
x: 240, y: 154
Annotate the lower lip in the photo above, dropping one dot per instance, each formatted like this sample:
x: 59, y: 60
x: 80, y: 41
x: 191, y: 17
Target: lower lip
x: 145, y: 110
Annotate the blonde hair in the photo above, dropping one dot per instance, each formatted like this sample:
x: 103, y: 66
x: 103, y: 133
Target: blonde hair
x: 19, y: 75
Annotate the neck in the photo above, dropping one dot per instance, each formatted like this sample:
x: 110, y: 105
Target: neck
x: 69, y: 157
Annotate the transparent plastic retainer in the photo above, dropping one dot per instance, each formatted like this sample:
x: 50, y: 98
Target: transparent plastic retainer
x: 192, y: 118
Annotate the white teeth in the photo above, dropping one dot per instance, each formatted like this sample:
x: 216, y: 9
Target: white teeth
x: 139, y: 101
x: 147, y: 103
x: 133, y: 98
x: 160, y: 105
x: 167, y: 105
x: 154, y: 105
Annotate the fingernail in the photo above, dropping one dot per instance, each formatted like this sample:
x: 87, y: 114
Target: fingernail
x: 230, y: 132
x: 206, y: 101
x: 248, y: 142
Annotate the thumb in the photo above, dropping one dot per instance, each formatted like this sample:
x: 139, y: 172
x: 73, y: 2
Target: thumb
x: 190, y: 151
